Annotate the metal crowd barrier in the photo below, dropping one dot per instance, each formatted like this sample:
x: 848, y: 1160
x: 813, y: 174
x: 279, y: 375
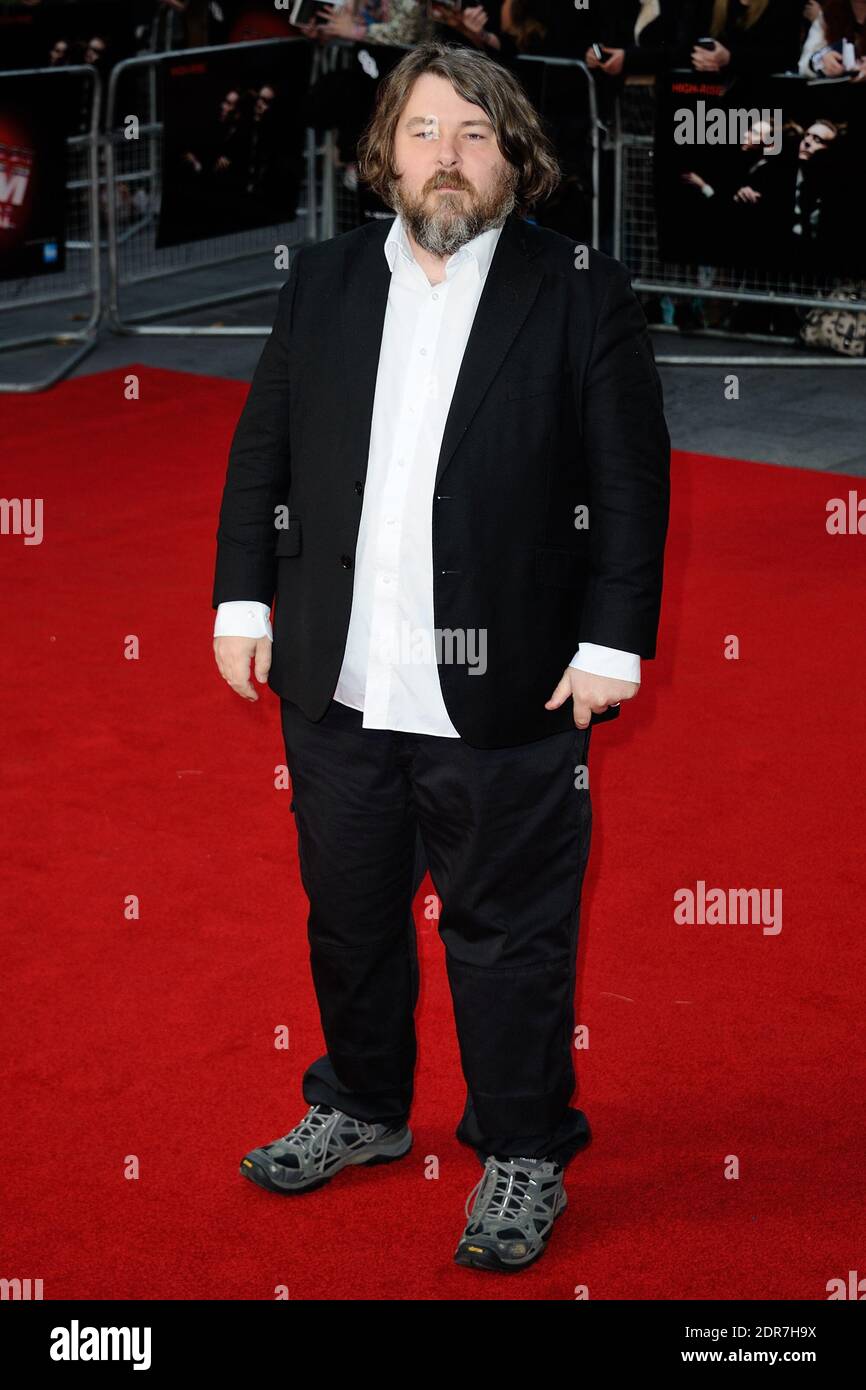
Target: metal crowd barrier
x: 595, y: 127
x: 330, y: 202
x: 635, y: 243
x: 340, y: 208
x: 218, y: 270
x: 133, y: 174
x: 34, y: 302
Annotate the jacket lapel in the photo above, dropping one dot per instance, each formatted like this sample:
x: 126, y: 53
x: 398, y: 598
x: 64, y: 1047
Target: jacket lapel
x: 506, y: 299
x: 366, y: 279
x: 508, y: 294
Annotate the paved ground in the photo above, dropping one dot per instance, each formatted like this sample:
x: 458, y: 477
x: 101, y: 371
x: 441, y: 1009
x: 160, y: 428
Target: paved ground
x: 805, y: 417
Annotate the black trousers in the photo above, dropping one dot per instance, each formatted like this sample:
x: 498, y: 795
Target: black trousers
x: 505, y: 834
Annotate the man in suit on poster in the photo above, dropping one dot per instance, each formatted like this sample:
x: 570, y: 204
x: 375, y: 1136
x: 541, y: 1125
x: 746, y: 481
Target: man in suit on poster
x: 452, y: 471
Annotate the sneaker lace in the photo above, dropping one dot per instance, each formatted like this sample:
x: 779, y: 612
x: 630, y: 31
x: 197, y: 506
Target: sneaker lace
x: 502, y: 1191
x: 316, y: 1129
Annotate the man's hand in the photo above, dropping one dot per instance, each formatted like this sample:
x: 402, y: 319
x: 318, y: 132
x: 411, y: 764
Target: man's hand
x: 711, y: 59
x: 233, y: 656
x: 310, y: 30
x: 472, y: 22
x: 341, y: 24
x: 613, y: 63
x: 590, y: 694
x: 832, y: 65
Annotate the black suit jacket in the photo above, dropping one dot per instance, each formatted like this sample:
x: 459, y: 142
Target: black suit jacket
x: 557, y: 403
x: 663, y: 43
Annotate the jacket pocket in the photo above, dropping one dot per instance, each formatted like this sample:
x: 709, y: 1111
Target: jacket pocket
x: 289, y: 538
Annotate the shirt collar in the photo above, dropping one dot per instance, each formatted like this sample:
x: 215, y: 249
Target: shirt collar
x: 479, y: 251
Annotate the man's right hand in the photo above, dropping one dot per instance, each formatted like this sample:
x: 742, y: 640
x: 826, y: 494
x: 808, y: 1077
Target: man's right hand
x: 233, y: 656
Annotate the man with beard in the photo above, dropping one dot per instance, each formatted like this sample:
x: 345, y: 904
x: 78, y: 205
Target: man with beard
x: 453, y: 470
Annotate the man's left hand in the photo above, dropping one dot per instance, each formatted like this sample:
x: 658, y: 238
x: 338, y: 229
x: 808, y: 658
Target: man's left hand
x: 590, y: 694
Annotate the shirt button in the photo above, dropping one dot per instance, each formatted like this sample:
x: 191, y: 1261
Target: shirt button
x: 423, y: 352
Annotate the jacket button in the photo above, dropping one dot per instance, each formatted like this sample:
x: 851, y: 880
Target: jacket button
x: 346, y: 561
x: 359, y: 488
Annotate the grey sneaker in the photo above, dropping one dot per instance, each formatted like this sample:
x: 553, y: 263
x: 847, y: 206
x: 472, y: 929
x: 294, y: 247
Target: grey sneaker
x: 322, y: 1143
x: 517, y: 1201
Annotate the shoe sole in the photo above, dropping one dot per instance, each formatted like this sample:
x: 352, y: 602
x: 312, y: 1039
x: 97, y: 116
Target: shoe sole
x: 483, y: 1258
x: 473, y: 1256
x: 254, y: 1171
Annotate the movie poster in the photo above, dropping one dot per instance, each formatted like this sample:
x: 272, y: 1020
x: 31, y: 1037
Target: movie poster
x: 761, y: 174
x: 233, y: 141
x: 343, y: 100
x: 33, y: 127
x: 559, y: 97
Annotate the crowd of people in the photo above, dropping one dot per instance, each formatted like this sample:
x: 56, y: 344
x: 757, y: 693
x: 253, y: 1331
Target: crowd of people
x: 616, y: 38
x: 783, y: 202
x: 780, y: 205
x: 625, y: 37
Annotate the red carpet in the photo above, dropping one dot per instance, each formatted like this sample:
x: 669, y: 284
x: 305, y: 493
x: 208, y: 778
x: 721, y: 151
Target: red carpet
x: 152, y: 1040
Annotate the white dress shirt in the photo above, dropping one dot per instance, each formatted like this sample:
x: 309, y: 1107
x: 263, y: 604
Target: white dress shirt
x: 389, y: 666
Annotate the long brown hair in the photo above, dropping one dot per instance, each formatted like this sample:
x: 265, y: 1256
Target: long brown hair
x: 528, y: 20
x: 839, y: 24
x: 483, y: 82
x: 722, y: 17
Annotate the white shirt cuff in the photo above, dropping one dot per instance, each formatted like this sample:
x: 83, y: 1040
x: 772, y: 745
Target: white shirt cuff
x: 243, y: 619
x: 606, y: 661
